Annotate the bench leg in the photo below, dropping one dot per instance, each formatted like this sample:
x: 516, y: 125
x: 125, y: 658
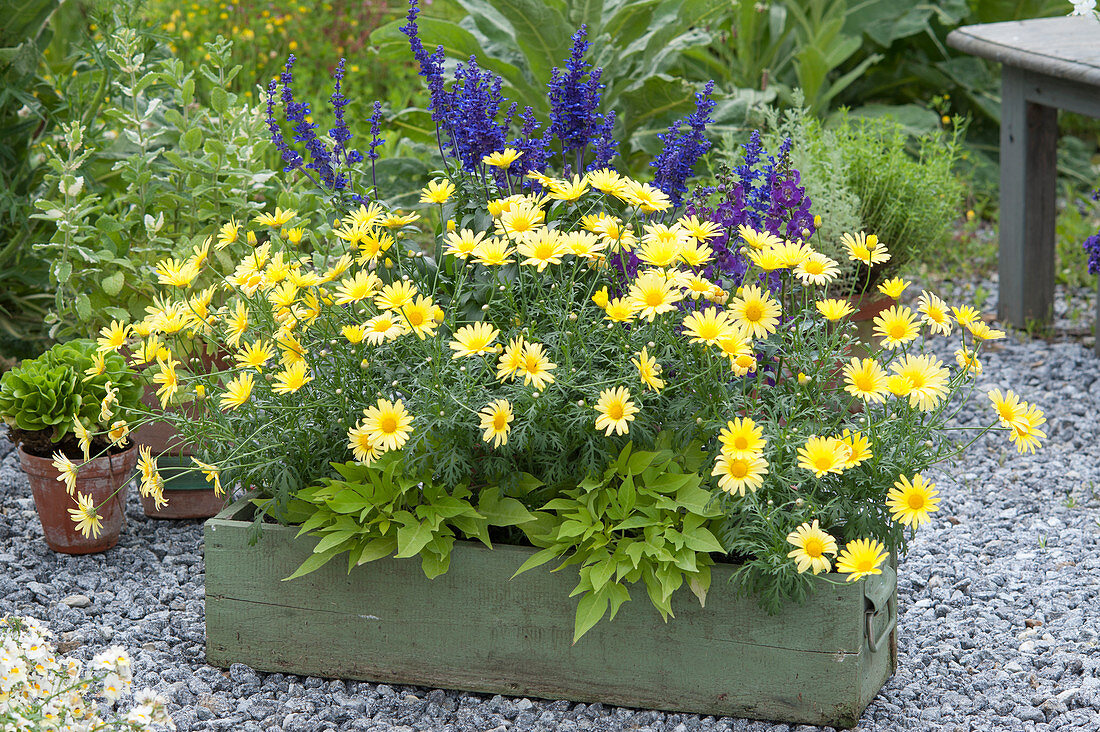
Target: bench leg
x: 1029, y: 141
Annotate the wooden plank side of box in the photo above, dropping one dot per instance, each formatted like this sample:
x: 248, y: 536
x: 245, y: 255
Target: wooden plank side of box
x: 475, y: 629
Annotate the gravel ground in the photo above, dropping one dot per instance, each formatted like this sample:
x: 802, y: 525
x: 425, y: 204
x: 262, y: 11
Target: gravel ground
x: 998, y: 629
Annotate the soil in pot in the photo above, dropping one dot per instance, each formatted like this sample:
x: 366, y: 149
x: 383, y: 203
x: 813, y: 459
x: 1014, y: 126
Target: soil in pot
x: 98, y: 478
x: 186, y: 489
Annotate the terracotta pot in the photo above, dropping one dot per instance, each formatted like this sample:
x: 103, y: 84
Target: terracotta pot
x: 97, y: 478
x: 188, y: 494
x: 161, y: 437
x: 868, y: 307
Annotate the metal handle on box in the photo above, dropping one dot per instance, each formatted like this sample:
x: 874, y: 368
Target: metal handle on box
x: 879, y: 600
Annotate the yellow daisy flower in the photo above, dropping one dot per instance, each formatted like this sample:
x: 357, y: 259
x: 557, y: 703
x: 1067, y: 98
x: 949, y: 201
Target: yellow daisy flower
x: 473, y: 340
x: 536, y: 366
x: 812, y: 544
x: 646, y: 197
x: 928, y: 379
x: 911, y: 502
x: 228, y: 233
x: 702, y: 231
x: 817, y: 269
x: 568, y: 190
x: 1025, y: 431
x: 212, y: 473
x: 708, y: 326
x: 358, y: 287
x: 755, y: 311
x: 833, y: 309
x: 866, y: 379
x: 420, y: 316
x: 66, y: 470
x: 87, y: 521
x: 621, y: 310
x: 437, y: 192
x: 859, y: 448
x: 541, y: 247
x: 292, y: 378
x: 83, y: 437
x: 496, y: 420
x: 982, y: 332
x: 896, y: 326
x: 968, y: 360
x: 865, y: 248
x: 649, y: 371
x: 966, y: 315
x: 934, y: 312
x: 502, y: 159
x: 389, y: 424
x: 758, y: 239
x: 395, y: 295
x: 112, y: 337
x: 736, y: 474
x: 823, y: 455
x: 462, y: 244
x: 741, y: 438
x: 168, y: 379
x: 354, y: 333
x: 616, y: 411
x: 652, y: 294
x: 255, y: 355
x: 893, y: 287
x: 511, y: 360
x: 362, y: 446
x: 861, y: 558
x: 606, y: 180
x: 493, y: 253
x: 237, y: 392
x: 275, y: 220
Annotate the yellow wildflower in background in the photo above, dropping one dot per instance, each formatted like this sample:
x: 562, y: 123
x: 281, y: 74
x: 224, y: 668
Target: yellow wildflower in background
x: 496, y: 420
x: 758, y: 239
x: 968, y: 360
x: 982, y: 332
x: 646, y: 197
x: 859, y: 447
x: 911, y: 502
x: 275, y: 220
x: 255, y: 355
x: 362, y: 445
x: 562, y: 190
x: 811, y: 545
x: 861, y: 558
x: 168, y: 379
x: 119, y: 432
x: 616, y: 411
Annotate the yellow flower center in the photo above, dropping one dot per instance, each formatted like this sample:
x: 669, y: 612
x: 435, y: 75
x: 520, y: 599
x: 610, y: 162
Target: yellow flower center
x: 824, y: 460
x: 739, y: 468
x: 898, y: 329
x: 388, y: 424
x: 754, y: 311
x: 813, y: 547
x: 499, y: 420
x: 615, y: 411
x: 654, y: 298
x: 916, y: 501
x: 814, y: 267
x: 415, y: 318
x: 741, y: 442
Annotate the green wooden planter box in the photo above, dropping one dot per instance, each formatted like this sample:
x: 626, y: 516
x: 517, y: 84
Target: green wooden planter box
x: 475, y: 629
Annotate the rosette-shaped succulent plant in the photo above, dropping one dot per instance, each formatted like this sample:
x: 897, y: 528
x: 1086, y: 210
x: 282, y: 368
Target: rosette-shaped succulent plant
x: 66, y: 382
x: 39, y: 395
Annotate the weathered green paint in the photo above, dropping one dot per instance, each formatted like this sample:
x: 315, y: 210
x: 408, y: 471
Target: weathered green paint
x: 474, y: 629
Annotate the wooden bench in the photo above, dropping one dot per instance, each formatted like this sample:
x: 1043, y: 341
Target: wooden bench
x: 1047, y: 64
